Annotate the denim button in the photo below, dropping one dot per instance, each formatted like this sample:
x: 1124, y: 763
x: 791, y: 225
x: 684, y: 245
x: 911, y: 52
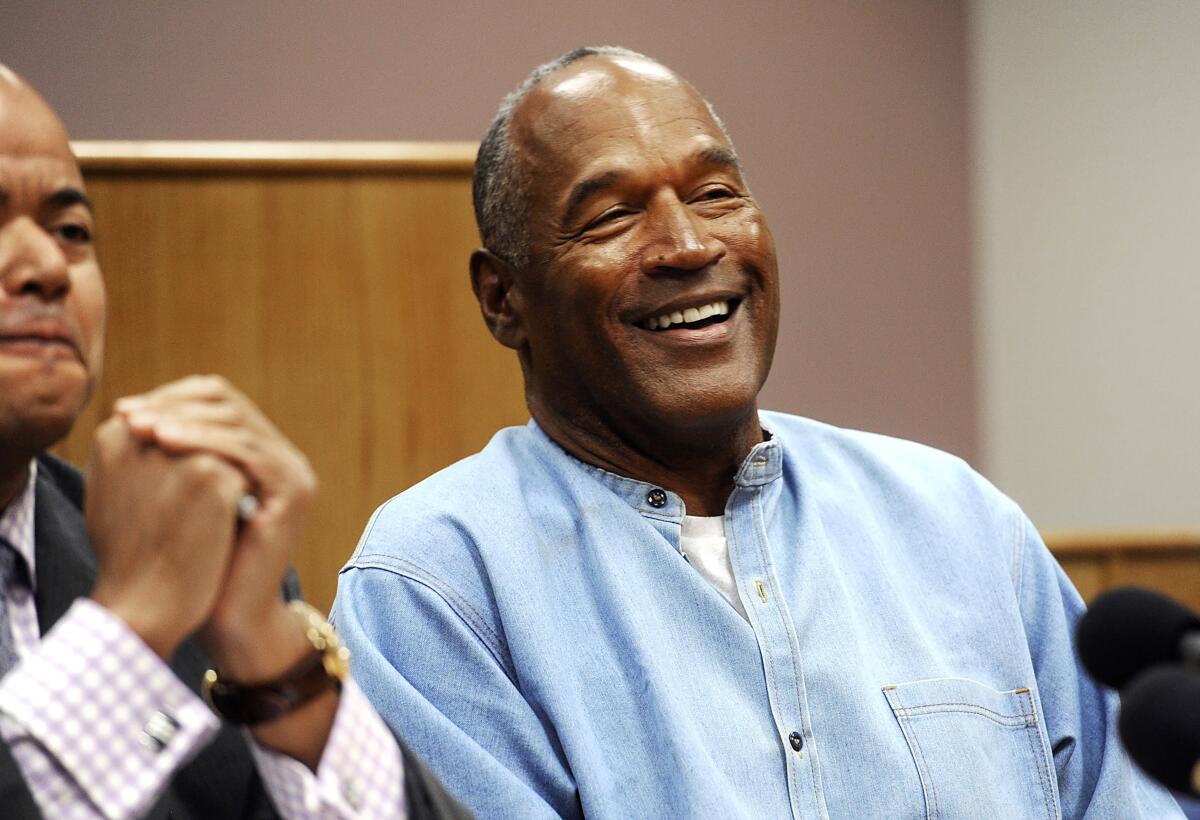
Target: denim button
x: 797, y: 741
x: 656, y: 498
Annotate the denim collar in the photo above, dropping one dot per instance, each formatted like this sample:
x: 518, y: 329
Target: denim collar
x: 762, y: 465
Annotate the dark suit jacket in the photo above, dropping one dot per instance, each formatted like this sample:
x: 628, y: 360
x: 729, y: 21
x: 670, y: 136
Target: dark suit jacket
x: 222, y: 781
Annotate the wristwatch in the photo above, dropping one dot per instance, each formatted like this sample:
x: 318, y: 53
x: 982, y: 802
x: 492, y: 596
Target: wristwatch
x: 322, y: 669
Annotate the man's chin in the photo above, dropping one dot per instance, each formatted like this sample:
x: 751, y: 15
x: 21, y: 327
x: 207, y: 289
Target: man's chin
x: 33, y: 419
x: 713, y: 408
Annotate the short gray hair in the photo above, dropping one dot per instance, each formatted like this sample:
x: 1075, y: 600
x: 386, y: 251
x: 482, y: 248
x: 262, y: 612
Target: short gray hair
x: 500, y: 183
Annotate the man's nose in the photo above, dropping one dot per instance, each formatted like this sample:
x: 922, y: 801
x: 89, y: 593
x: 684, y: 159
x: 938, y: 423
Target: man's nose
x: 682, y: 240
x: 32, y: 262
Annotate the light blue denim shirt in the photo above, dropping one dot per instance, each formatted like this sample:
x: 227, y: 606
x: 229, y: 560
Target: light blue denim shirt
x: 527, y: 623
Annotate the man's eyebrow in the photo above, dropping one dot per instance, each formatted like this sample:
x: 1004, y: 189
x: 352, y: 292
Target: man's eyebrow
x: 718, y: 155
x: 66, y: 197
x: 585, y: 189
x: 715, y: 155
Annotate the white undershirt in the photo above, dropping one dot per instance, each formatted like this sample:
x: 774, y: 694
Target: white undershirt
x: 702, y: 542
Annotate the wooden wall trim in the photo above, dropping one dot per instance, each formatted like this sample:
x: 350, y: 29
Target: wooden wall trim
x: 274, y: 157
x: 1078, y: 542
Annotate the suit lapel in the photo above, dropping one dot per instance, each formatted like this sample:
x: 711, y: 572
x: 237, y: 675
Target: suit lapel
x: 65, y: 567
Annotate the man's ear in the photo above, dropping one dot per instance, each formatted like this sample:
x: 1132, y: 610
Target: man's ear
x: 494, y: 283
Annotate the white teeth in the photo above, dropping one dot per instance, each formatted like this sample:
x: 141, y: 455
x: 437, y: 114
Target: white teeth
x: 687, y: 316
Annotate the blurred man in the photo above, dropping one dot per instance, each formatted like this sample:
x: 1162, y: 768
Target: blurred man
x: 97, y: 709
x: 656, y: 600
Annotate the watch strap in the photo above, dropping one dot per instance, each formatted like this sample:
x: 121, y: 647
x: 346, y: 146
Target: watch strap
x: 319, y: 671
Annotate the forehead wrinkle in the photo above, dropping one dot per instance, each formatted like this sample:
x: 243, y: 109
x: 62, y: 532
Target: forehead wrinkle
x: 49, y: 177
x: 718, y: 156
x: 549, y: 143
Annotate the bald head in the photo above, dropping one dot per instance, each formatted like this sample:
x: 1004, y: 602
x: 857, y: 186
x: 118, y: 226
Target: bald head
x: 502, y: 180
x: 554, y: 112
x: 28, y: 123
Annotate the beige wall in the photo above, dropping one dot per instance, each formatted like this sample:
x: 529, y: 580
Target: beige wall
x: 1087, y: 134
x: 851, y: 118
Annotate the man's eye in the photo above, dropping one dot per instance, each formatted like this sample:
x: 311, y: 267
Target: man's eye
x: 608, y: 216
x: 73, y: 233
x: 709, y: 194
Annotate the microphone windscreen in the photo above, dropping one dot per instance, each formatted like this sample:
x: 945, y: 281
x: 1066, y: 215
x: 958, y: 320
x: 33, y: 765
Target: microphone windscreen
x: 1160, y: 725
x: 1128, y: 630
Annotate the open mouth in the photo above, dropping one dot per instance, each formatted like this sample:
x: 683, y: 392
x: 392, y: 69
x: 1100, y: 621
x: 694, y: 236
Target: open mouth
x: 692, y: 318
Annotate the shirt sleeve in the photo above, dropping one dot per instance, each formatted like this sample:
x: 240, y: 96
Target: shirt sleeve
x: 360, y: 774
x: 415, y: 657
x: 96, y: 721
x: 1095, y: 776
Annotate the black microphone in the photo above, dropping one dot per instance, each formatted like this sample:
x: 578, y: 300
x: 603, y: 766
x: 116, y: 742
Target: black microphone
x: 1128, y: 630
x: 1160, y: 726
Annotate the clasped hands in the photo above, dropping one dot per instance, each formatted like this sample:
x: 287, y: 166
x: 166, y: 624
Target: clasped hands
x: 166, y: 475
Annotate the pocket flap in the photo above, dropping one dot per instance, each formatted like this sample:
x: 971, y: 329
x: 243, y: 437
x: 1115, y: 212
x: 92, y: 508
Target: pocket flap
x: 1013, y: 707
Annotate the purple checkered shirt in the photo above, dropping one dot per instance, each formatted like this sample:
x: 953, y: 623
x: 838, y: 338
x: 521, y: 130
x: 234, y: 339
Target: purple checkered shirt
x: 98, y: 723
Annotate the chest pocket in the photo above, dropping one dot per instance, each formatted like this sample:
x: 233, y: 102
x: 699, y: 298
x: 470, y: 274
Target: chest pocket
x: 979, y: 753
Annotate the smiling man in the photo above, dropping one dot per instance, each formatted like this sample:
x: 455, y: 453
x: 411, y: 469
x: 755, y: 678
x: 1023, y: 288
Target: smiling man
x: 655, y: 600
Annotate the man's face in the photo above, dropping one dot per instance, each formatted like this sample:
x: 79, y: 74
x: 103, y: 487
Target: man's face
x: 51, y: 292
x: 652, y: 295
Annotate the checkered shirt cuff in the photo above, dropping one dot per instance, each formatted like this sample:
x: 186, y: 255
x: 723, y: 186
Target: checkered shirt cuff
x: 109, y: 711
x: 360, y: 774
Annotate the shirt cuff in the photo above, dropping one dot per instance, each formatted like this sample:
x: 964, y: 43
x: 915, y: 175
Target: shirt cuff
x: 107, y: 709
x: 360, y: 774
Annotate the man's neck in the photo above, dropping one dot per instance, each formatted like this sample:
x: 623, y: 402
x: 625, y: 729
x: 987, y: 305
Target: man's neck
x: 698, y: 463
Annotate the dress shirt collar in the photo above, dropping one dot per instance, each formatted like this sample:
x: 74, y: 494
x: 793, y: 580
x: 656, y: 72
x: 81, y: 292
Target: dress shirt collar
x: 16, y: 522
x: 762, y: 465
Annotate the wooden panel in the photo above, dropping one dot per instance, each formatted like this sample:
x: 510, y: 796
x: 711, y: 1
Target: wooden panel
x: 335, y: 296
x: 1167, y: 561
x: 1087, y: 574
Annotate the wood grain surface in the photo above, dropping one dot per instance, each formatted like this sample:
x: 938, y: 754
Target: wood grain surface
x: 335, y: 296
x: 1166, y: 560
